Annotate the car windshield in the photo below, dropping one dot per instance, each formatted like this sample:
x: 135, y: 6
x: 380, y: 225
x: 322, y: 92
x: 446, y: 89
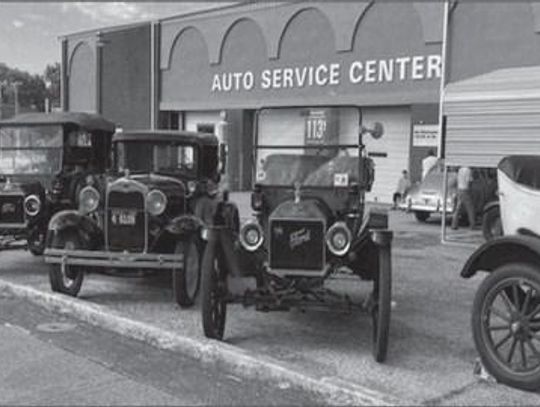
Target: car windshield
x: 435, y: 177
x: 31, y: 149
x: 312, y: 146
x: 146, y: 157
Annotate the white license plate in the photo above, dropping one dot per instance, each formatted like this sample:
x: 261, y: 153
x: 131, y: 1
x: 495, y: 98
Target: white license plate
x: 123, y: 217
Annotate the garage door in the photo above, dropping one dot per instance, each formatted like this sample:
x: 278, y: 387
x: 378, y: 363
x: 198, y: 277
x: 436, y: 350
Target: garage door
x: 390, y: 152
x: 205, y: 121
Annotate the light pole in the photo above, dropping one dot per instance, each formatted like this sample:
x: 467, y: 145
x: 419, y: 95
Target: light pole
x: 48, y: 86
x: 16, y: 85
x: 3, y: 84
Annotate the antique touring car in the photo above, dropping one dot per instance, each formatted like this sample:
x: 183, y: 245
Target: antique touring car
x: 44, y: 159
x: 506, y: 310
x: 145, y: 214
x: 311, y: 174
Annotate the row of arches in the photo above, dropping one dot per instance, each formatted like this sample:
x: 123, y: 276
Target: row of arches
x: 340, y: 21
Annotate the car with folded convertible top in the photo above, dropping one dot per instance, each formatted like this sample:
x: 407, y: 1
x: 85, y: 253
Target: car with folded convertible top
x: 146, y: 213
x: 310, y: 225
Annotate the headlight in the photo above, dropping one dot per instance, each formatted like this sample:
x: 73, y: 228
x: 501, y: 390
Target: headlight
x: 251, y: 236
x: 32, y: 205
x: 338, y: 238
x: 88, y: 199
x: 156, y: 202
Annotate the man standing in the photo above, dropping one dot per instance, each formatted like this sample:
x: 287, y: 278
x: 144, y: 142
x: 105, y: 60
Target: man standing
x: 464, y: 179
x: 403, y: 186
x: 428, y: 163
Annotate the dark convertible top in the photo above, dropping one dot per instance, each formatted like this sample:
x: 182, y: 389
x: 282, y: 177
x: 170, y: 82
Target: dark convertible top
x: 88, y: 121
x: 166, y: 136
x: 523, y: 169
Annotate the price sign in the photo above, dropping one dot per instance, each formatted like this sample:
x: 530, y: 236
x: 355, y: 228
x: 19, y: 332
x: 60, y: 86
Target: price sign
x: 316, y: 125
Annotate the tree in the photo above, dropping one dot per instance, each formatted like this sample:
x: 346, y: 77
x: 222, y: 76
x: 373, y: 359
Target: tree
x: 31, y: 89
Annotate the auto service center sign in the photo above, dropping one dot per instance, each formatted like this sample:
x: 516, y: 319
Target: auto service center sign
x: 404, y: 68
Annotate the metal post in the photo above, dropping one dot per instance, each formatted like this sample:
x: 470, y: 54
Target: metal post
x: 443, y: 74
x: 445, y: 197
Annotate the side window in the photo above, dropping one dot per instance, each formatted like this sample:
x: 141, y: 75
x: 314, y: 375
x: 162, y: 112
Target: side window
x: 206, y: 128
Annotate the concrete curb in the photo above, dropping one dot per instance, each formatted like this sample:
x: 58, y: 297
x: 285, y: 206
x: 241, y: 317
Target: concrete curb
x: 243, y: 363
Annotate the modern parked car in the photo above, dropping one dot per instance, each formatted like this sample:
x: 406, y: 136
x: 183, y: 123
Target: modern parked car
x: 426, y: 197
x: 506, y: 309
x: 44, y: 160
x: 146, y: 213
x: 308, y: 227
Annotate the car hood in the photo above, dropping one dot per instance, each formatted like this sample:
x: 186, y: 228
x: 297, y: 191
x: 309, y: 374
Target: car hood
x: 167, y: 185
x: 24, y: 184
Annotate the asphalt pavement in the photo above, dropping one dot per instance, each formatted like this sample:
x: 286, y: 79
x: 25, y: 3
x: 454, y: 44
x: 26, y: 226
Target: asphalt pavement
x: 431, y: 356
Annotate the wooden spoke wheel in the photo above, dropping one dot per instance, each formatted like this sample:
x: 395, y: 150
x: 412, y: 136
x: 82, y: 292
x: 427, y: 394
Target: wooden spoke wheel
x: 214, y: 291
x: 506, y: 325
x: 381, y: 305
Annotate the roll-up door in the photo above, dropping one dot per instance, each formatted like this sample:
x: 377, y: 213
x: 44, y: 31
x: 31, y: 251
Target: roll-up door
x: 491, y: 116
x: 203, y: 121
x: 391, y: 151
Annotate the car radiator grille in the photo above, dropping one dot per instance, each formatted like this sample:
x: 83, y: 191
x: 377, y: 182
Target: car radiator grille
x: 297, y: 244
x: 126, y: 228
x: 11, y: 209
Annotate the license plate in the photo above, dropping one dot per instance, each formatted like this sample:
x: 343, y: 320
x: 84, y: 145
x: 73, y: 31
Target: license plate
x: 123, y: 217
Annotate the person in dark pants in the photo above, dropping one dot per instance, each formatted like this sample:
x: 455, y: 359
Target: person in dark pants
x: 465, y: 201
x: 404, y: 184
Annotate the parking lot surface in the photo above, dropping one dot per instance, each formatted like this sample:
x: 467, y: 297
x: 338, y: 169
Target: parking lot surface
x: 431, y: 355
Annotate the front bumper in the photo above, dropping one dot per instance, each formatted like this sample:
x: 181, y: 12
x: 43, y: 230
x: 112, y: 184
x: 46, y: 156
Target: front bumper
x: 95, y: 258
x: 412, y: 207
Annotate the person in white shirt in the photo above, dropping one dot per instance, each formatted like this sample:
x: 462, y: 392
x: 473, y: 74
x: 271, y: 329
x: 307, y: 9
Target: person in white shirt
x: 464, y: 179
x: 428, y: 163
x: 403, y: 186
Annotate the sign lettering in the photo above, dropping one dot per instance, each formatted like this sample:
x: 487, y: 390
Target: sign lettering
x: 372, y: 71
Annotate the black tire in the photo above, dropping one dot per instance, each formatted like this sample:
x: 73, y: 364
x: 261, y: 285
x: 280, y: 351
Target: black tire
x: 36, y: 241
x: 214, y: 290
x: 382, y: 303
x: 421, y: 216
x: 63, y: 278
x: 509, y: 349
x: 186, y: 281
x: 491, y: 223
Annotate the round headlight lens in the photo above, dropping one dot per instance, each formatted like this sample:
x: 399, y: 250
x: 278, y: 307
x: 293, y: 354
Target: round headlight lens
x: 338, y: 238
x: 88, y: 199
x: 32, y: 205
x: 251, y: 236
x: 156, y: 202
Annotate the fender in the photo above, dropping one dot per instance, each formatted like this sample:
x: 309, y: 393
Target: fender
x: 490, y: 205
x: 70, y: 219
x: 503, y: 250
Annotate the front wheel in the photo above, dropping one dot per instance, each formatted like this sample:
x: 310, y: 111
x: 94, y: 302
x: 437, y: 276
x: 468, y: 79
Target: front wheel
x: 214, y: 291
x: 36, y: 241
x: 421, y: 216
x: 492, y: 224
x: 506, y: 325
x: 186, y: 281
x: 382, y: 302
x: 64, y: 278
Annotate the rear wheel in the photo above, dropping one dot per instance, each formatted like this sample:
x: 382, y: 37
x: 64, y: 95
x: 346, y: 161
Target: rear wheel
x: 506, y: 325
x: 186, y: 281
x: 421, y: 216
x: 382, y: 302
x: 491, y: 223
x: 214, y: 291
x: 64, y: 278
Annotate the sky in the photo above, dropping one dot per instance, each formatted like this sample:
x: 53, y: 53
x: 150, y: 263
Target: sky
x: 29, y: 31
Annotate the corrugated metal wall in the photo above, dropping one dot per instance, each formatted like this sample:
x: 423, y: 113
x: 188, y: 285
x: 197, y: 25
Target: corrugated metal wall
x: 491, y: 116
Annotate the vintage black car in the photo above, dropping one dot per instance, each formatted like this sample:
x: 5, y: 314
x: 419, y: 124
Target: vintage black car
x: 44, y: 160
x: 310, y: 224
x: 144, y: 214
x: 506, y: 309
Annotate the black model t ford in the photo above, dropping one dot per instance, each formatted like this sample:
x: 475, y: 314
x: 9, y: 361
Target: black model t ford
x: 311, y: 174
x: 145, y: 214
x: 44, y: 159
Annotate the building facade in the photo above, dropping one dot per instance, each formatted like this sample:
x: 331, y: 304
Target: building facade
x: 214, y: 70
